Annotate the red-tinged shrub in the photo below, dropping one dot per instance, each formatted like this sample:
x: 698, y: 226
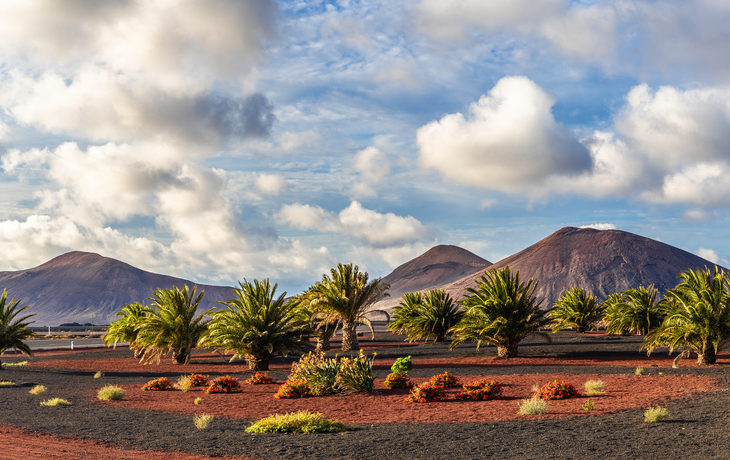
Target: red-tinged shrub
x: 480, y: 390
x: 293, y: 389
x: 259, y: 378
x: 225, y: 384
x: 557, y: 390
x: 161, y: 384
x: 426, y: 392
x: 444, y: 380
x: 397, y: 381
x: 198, y: 380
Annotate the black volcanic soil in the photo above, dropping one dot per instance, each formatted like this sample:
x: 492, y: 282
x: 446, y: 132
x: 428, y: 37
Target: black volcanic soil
x: 697, y: 399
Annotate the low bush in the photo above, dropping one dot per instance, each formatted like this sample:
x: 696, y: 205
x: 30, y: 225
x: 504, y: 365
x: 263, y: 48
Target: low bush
x: 402, y: 366
x: 297, y: 422
x: 293, y: 389
x: 355, y: 375
x: 202, y: 422
x: 186, y: 382
x: 99, y: 375
x: 595, y: 387
x: 111, y: 393
x: 481, y: 383
x: 656, y: 414
x: 161, y: 384
x: 556, y: 390
x: 259, y: 378
x: 445, y: 380
x: 318, y: 371
x: 6, y: 383
x: 224, y: 384
x: 38, y: 390
x: 426, y: 392
x: 397, y: 381
x: 639, y: 371
x: 18, y: 364
x: 532, y: 406
x: 55, y: 402
x: 198, y: 401
x: 588, y: 405
x: 481, y: 390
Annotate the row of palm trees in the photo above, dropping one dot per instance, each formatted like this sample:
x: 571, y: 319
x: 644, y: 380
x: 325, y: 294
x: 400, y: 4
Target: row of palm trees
x: 502, y: 311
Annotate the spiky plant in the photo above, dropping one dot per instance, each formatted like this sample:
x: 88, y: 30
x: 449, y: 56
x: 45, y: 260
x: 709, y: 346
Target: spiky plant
x: 501, y: 311
x: 634, y: 311
x: 13, y: 330
x: 310, y: 315
x: 577, y: 309
x: 346, y: 297
x: 125, y: 329
x: 256, y: 325
x: 698, y: 315
x: 433, y: 317
x: 405, y: 312
x: 172, y: 327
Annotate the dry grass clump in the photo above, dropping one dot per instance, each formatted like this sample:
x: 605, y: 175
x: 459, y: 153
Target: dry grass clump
x: 639, y: 371
x: 533, y: 406
x: 6, y: 383
x: 198, y: 401
x: 184, y: 383
x: 656, y: 414
x: 202, y: 422
x: 595, y: 387
x: 297, y: 422
x: 99, y: 375
x: 111, y: 393
x: 55, y: 402
x: 38, y: 390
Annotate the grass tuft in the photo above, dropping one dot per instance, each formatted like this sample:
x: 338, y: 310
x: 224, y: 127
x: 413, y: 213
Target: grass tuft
x: 639, y: 371
x: 297, y: 422
x: 184, y: 383
x: 656, y: 414
x: 55, y: 402
x: 99, y: 375
x: 111, y: 393
x: 6, y: 383
x: 533, y: 406
x: 202, y: 422
x: 535, y: 388
x: 595, y: 387
x: 38, y: 390
x: 198, y: 401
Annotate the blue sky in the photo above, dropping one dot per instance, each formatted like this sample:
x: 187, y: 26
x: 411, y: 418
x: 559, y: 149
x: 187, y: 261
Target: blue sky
x: 218, y: 140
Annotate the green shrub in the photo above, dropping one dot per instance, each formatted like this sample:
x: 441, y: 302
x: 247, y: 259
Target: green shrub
x: 397, y: 381
x: 533, y: 406
x: 656, y: 414
x: 426, y: 392
x: 198, y: 401
x: 111, y: 393
x: 588, y: 405
x: 38, y: 390
x: 202, y: 422
x: 445, y: 380
x: 355, y: 374
x: 99, y: 375
x: 556, y: 390
x: 639, y: 371
x: 18, y: 364
x: 595, y: 387
x: 55, y: 402
x: 402, y: 366
x: 225, y: 384
x: 161, y: 384
x: 318, y: 371
x: 297, y: 422
x: 294, y: 389
x: 6, y: 383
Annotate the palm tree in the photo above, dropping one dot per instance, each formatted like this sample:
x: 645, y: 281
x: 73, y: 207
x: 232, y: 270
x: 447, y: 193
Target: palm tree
x: 501, y: 311
x: 634, y: 311
x: 698, y: 315
x: 346, y: 297
x: 171, y: 327
x: 405, y: 312
x: 433, y: 316
x: 308, y: 314
x: 13, y: 331
x: 125, y: 329
x: 257, y: 325
x: 576, y: 309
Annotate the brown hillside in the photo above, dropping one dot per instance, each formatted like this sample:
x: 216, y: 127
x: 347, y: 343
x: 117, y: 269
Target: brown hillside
x: 603, y: 261
x: 74, y: 286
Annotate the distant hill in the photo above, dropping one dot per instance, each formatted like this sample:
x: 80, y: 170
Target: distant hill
x: 74, y: 286
x: 603, y: 261
x: 436, y: 267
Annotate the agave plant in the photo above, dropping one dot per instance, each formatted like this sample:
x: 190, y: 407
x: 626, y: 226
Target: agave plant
x: 13, y: 330
x: 171, y: 326
x: 634, y: 311
x: 125, y: 329
x: 576, y: 309
x: 256, y: 325
x: 432, y: 317
x: 501, y: 311
x: 698, y: 315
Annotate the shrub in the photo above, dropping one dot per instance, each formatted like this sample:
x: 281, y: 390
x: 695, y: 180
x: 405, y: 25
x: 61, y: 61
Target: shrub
x: 259, y: 378
x: 161, y: 384
x: 224, y: 384
x: 55, y: 402
x: 297, y: 422
x: 481, y: 383
x: 426, y: 392
x: 6, y: 383
x: 99, y: 375
x: 293, y: 389
x: 532, y: 406
x: 481, y: 390
x: 186, y: 382
x: 639, y: 371
x: 588, y: 405
x: 202, y: 421
x: 18, y: 364
x: 355, y: 374
x: 318, y: 371
x: 595, y: 387
x: 445, y: 380
x: 111, y: 393
x: 198, y: 401
x: 556, y: 390
x: 402, y: 366
x: 397, y: 381
x: 38, y: 390
x: 656, y: 414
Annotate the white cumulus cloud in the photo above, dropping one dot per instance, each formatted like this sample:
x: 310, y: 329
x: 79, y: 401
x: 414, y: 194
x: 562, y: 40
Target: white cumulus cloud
x: 600, y: 226
x: 709, y: 254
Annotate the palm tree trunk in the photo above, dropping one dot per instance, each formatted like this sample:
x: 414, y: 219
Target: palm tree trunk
x: 707, y: 356
x: 508, y: 350
x: 181, y: 357
x: 322, y: 344
x: 349, y: 336
x: 258, y: 363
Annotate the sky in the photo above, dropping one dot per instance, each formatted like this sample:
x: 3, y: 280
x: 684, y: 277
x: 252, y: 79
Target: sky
x: 226, y: 140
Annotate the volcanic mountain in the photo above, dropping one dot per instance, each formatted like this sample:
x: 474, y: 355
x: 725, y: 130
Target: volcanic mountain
x: 602, y: 261
x: 437, y: 267
x: 74, y: 286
